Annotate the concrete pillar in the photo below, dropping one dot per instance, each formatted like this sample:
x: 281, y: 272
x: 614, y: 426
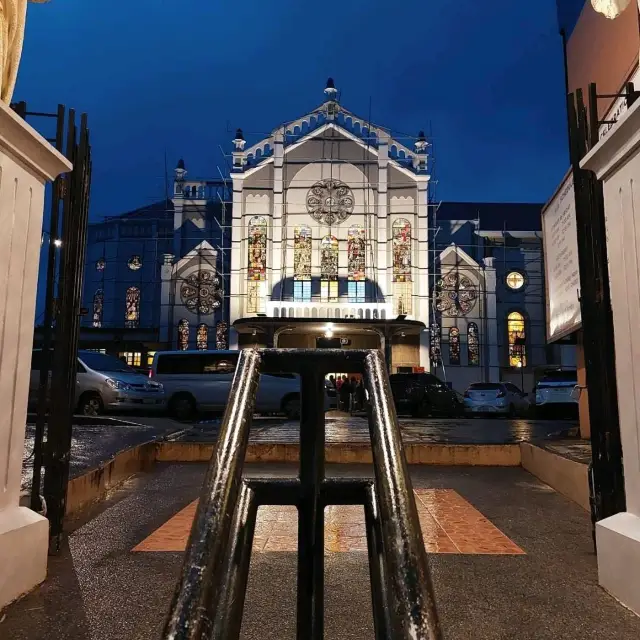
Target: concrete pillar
x: 425, y: 344
x: 166, y: 306
x: 27, y: 162
x: 489, y: 343
x: 616, y: 161
x: 236, y: 306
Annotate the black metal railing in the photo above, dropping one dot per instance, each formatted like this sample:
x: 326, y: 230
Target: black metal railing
x: 209, y: 599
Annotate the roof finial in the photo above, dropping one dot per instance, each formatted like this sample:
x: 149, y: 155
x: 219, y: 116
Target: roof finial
x: 421, y: 143
x: 239, y: 140
x: 330, y: 90
x: 180, y: 170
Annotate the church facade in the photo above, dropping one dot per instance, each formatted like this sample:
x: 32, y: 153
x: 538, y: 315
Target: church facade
x: 324, y: 235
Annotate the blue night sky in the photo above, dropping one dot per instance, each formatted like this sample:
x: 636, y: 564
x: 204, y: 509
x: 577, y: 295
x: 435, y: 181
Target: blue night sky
x: 484, y: 78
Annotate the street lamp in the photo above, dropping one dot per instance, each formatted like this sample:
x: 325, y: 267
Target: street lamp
x: 610, y: 8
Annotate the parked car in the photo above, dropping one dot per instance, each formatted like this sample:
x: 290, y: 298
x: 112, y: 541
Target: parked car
x: 423, y: 394
x: 104, y: 383
x: 200, y: 381
x: 555, y: 392
x: 495, y: 398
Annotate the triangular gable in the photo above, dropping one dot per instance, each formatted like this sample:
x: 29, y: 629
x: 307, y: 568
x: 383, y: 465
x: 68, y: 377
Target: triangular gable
x: 347, y: 134
x: 460, y: 253
x: 203, y: 248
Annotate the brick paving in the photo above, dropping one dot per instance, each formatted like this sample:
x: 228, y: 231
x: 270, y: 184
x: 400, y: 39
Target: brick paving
x: 449, y: 525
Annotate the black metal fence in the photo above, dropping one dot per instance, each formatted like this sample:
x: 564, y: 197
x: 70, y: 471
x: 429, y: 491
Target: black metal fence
x: 606, y: 471
x: 63, y: 290
x: 209, y: 599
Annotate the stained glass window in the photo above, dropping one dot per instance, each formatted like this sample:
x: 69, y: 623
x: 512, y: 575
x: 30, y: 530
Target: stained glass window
x: 257, y: 258
x: 135, y: 263
x: 515, y: 280
x: 454, y: 345
x: 101, y: 263
x: 256, y: 299
x: 302, y: 264
x: 473, y: 345
x: 98, y: 303
x: 302, y: 253
x: 202, y: 337
x: 356, y: 248
x: 200, y: 292
x: 516, y: 331
x: 132, y: 308
x: 436, y: 349
x: 183, y: 335
x: 403, y: 295
x: 329, y: 268
x: 401, y: 250
x: 221, y: 335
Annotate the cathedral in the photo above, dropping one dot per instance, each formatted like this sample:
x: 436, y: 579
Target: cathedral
x: 326, y: 233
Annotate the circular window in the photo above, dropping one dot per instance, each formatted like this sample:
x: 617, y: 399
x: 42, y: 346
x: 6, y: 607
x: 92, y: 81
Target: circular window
x: 330, y: 201
x: 515, y: 280
x: 135, y: 263
x: 100, y: 264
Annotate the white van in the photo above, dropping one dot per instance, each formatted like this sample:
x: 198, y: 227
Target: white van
x: 201, y: 381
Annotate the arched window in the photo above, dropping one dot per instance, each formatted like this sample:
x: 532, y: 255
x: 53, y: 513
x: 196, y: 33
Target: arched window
x: 454, y: 345
x: 402, y: 290
x: 516, y: 331
x: 98, y: 303
x: 473, y: 345
x: 356, y: 249
x: 302, y: 264
x: 402, y: 250
x: 329, y: 268
x: 257, y: 264
x: 132, y: 308
x: 221, y: 335
x: 202, y: 337
x: 183, y: 335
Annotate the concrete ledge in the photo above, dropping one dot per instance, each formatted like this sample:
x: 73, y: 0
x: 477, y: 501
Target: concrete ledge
x: 95, y: 484
x: 436, y: 454
x: 566, y: 476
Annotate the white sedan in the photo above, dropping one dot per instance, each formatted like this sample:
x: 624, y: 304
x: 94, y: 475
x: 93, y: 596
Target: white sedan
x: 496, y: 398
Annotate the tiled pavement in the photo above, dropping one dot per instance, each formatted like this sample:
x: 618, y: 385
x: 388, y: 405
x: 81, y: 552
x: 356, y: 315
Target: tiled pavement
x: 449, y: 525
x: 100, y: 589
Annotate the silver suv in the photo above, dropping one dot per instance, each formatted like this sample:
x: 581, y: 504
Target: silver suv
x: 105, y: 383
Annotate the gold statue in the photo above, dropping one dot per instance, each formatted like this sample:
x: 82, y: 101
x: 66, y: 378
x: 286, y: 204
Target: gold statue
x: 13, y: 15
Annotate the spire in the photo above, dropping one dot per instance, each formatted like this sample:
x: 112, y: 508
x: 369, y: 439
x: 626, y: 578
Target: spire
x: 420, y: 159
x: 330, y: 90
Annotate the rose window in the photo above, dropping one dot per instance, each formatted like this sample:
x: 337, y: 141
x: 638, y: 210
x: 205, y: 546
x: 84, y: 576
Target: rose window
x: 456, y: 295
x: 200, y: 292
x: 330, y: 201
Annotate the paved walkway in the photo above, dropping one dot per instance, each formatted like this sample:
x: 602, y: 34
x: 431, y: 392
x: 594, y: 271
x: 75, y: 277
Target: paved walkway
x: 428, y: 431
x: 510, y: 559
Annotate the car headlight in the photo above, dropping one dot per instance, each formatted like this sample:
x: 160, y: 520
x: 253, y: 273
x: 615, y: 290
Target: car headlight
x: 157, y: 385
x: 117, y: 384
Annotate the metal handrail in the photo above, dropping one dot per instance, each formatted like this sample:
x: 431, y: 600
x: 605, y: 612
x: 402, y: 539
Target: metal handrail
x: 209, y: 598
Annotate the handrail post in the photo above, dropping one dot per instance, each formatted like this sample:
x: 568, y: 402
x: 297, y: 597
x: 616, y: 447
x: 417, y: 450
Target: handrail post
x: 408, y: 574
x: 310, y: 601
x: 196, y: 595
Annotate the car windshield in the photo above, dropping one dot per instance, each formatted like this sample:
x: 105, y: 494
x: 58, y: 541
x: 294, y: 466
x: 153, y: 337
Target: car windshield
x: 102, y: 362
x: 485, y: 386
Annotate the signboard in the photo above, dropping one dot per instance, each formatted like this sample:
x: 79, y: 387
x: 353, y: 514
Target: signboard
x: 561, y: 262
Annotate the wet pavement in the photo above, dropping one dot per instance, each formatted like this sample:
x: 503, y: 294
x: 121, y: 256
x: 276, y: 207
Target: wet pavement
x: 427, y: 431
x: 93, y: 444
x: 101, y: 589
